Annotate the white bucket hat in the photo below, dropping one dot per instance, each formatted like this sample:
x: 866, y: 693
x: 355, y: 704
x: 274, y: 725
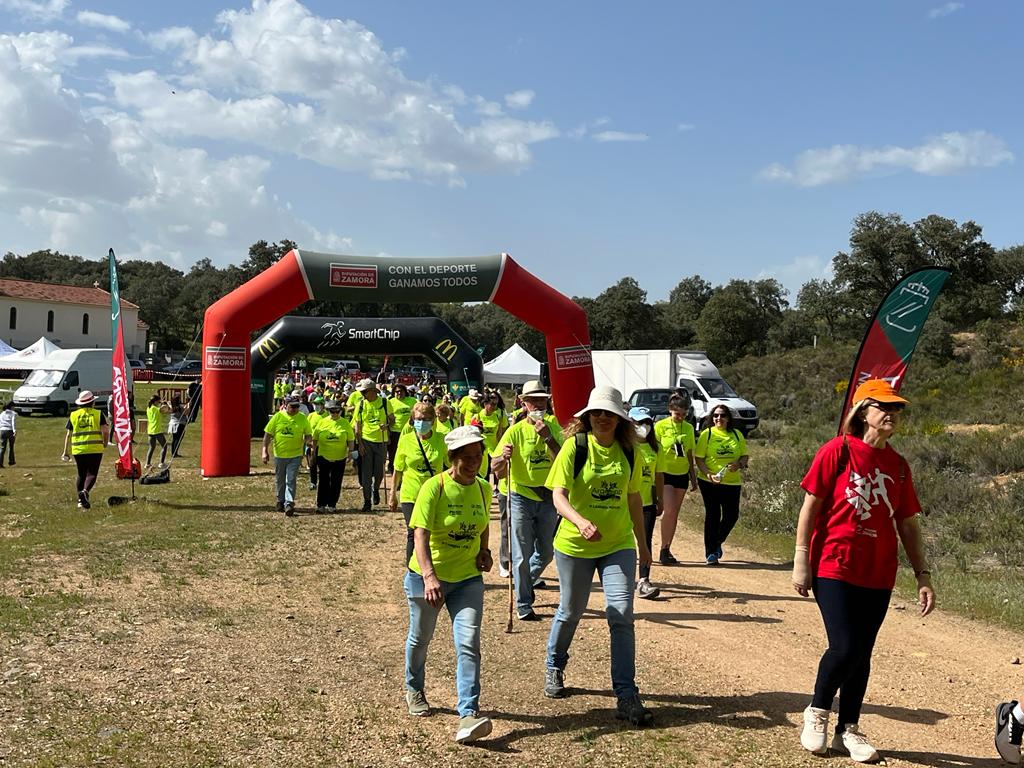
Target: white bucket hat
x: 534, y: 389
x: 365, y: 384
x: 605, y: 399
x: 85, y: 397
x: 461, y: 436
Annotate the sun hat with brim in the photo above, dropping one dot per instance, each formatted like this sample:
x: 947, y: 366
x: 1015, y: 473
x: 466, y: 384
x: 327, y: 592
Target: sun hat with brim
x: 365, y: 384
x: 640, y: 413
x: 332, y: 405
x: 604, y: 399
x: 474, y: 394
x: 292, y: 401
x: 878, y: 390
x: 85, y: 397
x: 461, y: 436
x: 534, y: 389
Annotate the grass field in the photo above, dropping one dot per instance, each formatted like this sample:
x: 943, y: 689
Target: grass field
x: 195, y: 626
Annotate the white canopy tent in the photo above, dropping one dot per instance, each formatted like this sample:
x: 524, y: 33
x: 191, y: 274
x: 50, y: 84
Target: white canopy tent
x: 30, y: 357
x: 513, y: 366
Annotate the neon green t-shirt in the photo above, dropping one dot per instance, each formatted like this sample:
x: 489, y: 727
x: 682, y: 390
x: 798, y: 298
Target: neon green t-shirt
x: 332, y: 437
x: 289, y: 433
x: 599, y: 494
x: 409, y: 461
x: 468, y: 409
x: 531, y: 461
x: 401, y: 409
x: 649, y: 459
x: 352, y: 402
x: 492, y: 424
x: 444, y: 427
x: 372, y: 417
x: 154, y: 421
x: 719, y: 448
x: 314, y: 419
x: 671, y: 433
x: 455, y: 515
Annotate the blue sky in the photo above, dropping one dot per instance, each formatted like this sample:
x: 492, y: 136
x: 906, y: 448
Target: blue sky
x: 590, y: 140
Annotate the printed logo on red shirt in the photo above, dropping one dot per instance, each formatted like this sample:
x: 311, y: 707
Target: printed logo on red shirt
x: 863, y: 494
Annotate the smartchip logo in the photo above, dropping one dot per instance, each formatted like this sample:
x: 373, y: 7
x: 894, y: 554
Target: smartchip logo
x: 225, y: 358
x: 353, y: 276
x: 572, y: 357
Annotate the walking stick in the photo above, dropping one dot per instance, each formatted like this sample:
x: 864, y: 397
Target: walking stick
x: 511, y: 595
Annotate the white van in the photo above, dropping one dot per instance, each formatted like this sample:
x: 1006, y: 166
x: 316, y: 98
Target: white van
x: 54, y: 386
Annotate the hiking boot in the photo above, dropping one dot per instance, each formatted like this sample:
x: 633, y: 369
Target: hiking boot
x: 366, y: 506
x: 417, y: 702
x: 471, y: 728
x: 1008, y: 733
x: 814, y: 736
x: 554, y: 684
x: 289, y: 509
x: 855, y: 744
x: 646, y: 590
x: 666, y: 558
x: 631, y: 708
x: 280, y: 506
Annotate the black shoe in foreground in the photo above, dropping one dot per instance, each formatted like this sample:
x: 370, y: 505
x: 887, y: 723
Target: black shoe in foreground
x: 1008, y: 733
x: 554, y: 684
x: 631, y: 708
x: 531, y: 616
x: 666, y: 558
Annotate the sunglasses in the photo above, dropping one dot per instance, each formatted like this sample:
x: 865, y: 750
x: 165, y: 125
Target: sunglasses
x: 720, y: 415
x: 602, y: 413
x: 888, y: 407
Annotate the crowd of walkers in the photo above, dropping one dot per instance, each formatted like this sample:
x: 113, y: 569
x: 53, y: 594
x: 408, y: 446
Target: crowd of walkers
x: 589, y: 497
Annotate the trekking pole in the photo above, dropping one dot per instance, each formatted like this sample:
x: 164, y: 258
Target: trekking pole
x: 511, y: 595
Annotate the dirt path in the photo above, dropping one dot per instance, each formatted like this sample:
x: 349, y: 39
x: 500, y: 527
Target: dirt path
x: 293, y: 655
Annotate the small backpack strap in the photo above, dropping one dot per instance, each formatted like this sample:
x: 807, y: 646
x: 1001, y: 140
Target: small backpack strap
x: 579, y: 460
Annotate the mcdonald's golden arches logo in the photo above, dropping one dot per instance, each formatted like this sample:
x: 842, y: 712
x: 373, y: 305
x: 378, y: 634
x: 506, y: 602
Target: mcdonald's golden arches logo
x: 268, y: 346
x: 447, y: 348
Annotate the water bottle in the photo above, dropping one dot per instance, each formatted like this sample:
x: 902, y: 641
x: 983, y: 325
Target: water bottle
x: 721, y: 473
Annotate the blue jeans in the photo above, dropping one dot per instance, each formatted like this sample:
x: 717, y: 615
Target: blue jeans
x: 575, y: 576
x: 533, y: 535
x: 465, y: 603
x: 285, y: 472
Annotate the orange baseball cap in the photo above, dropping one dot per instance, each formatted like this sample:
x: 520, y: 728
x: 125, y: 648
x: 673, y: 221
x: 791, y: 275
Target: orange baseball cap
x: 879, y: 390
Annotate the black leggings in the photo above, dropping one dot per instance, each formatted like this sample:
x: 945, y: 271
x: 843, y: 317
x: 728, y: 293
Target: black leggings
x: 852, y: 615
x: 721, y: 511
x: 88, y: 468
x: 154, y: 440
x: 650, y: 515
x: 328, y: 490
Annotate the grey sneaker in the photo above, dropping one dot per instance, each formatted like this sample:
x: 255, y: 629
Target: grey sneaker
x: 417, y: 701
x: 631, y: 708
x: 554, y: 684
x: 855, y: 744
x: 646, y: 590
x: 1008, y: 733
x: 471, y: 728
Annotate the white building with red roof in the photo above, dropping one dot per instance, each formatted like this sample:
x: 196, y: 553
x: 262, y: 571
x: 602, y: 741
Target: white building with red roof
x: 70, y: 316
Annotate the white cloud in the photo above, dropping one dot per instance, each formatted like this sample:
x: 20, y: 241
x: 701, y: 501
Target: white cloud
x: 342, y: 99
x: 519, y: 99
x: 684, y: 127
x: 944, y: 10
x: 942, y: 155
x: 604, y: 136
x: 103, y: 21
x: 37, y: 10
x: 800, y: 270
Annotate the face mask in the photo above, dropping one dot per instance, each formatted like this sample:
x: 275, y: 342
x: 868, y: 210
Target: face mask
x: 535, y: 415
x: 422, y: 426
x: 643, y: 430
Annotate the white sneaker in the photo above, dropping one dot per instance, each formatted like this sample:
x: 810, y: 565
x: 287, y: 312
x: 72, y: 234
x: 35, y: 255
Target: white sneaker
x: 503, y: 571
x: 814, y: 736
x: 855, y: 744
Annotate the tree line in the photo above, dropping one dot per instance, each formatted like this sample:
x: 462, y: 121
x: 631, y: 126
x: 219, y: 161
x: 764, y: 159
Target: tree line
x: 742, y: 317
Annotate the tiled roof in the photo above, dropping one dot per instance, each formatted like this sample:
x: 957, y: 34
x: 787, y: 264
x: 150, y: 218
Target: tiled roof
x: 63, y: 294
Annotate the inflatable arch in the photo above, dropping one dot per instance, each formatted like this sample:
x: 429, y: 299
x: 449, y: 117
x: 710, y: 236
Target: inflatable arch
x: 431, y: 337
x: 301, y: 276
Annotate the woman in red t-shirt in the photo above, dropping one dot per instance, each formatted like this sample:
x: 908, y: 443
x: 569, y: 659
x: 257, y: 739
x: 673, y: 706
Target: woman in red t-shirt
x: 860, y: 497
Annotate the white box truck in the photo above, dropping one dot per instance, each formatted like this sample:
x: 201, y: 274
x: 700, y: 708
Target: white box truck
x: 56, y: 383
x: 646, y: 377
